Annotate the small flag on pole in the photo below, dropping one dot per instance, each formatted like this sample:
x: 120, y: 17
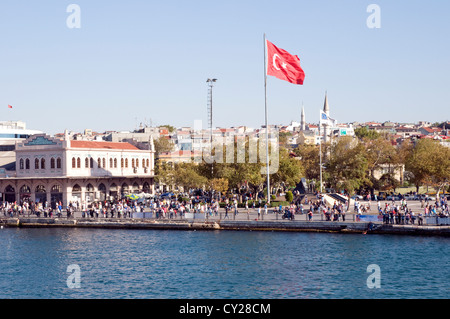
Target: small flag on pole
x: 326, y: 120
x: 323, y: 118
x: 9, y: 106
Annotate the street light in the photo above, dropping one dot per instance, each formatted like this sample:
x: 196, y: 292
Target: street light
x: 210, y: 85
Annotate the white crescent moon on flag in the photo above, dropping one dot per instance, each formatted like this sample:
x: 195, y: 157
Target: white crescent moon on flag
x: 274, y: 64
x: 283, y: 65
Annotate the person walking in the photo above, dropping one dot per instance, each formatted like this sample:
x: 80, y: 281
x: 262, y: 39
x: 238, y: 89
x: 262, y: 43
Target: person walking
x: 226, y: 211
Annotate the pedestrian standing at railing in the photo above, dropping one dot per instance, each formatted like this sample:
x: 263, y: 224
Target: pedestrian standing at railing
x: 413, y: 218
x: 227, y: 208
x: 420, y: 219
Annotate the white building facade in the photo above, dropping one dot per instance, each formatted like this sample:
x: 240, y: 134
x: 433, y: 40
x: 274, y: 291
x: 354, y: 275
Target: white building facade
x: 50, y: 170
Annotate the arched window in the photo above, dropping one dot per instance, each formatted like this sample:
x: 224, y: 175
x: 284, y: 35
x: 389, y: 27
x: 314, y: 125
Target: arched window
x: 99, y: 162
x: 25, y: 189
x: 76, y: 188
x: 58, y: 162
x: 121, y: 163
x: 42, y: 163
x: 78, y: 162
x: 27, y: 164
x: 132, y: 162
x: 91, y: 162
x: 148, y: 163
x: 111, y: 163
x: 115, y: 163
x: 52, y: 163
x: 56, y: 189
x: 86, y: 162
x: 40, y: 189
x: 126, y: 163
x: 125, y: 188
x: 73, y: 162
x: 21, y: 166
x: 143, y: 162
x: 137, y: 162
x: 36, y: 163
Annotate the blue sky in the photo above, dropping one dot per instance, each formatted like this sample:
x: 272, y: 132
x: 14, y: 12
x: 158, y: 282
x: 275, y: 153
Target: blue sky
x: 148, y: 61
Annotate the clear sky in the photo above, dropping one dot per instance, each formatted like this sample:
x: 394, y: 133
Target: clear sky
x: 148, y: 61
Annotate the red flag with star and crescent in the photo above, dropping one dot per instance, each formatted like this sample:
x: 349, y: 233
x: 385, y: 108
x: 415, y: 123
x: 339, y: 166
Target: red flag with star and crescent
x: 283, y: 65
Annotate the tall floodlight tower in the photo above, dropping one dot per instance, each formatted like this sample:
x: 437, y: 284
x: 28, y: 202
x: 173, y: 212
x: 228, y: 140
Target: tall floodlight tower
x: 210, y: 83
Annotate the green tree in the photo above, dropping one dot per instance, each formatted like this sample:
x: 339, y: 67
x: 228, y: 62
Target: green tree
x: 187, y: 175
x: 290, y: 170
x: 379, y: 151
x: 164, y: 173
x: 289, y: 196
x: 347, y: 166
x: 364, y: 132
x: 310, y: 159
x: 430, y: 164
x: 163, y: 145
x: 219, y: 185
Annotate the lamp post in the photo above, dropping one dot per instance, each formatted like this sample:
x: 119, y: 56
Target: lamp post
x: 210, y: 86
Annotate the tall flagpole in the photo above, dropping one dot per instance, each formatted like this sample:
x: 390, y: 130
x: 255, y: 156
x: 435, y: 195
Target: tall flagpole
x: 267, y: 122
x: 320, y: 155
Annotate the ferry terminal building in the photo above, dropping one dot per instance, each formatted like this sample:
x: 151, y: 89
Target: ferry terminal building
x: 50, y: 170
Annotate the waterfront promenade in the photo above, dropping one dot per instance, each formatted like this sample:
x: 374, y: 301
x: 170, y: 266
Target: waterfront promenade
x: 245, y: 220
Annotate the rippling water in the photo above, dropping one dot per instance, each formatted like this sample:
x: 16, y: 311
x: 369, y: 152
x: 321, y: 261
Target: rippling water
x: 219, y: 264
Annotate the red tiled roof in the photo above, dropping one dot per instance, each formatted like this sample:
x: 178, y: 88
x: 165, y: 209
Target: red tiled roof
x: 102, y: 145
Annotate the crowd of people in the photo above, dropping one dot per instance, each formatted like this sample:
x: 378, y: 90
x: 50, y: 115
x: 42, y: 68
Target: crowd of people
x: 169, y: 208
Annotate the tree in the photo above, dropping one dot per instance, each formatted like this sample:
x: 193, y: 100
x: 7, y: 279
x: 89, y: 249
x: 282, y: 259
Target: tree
x: 163, y: 145
x: 347, y: 165
x: 365, y: 133
x: 219, y: 185
x: 290, y: 170
x: 164, y: 173
x: 289, y: 196
x: 187, y: 175
x: 430, y: 163
x: 420, y: 161
x: 379, y: 151
x: 310, y: 159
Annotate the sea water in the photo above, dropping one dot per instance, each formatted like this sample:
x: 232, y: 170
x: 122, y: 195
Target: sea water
x: 109, y: 263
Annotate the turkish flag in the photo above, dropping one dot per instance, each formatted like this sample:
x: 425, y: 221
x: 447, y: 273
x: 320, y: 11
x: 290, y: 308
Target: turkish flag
x: 10, y: 106
x: 283, y: 65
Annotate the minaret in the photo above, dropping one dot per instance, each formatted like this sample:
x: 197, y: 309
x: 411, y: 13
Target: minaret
x: 303, y: 119
x: 326, y: 109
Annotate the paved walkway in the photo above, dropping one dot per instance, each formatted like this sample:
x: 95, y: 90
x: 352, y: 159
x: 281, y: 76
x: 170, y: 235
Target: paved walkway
x: 252, y: 214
